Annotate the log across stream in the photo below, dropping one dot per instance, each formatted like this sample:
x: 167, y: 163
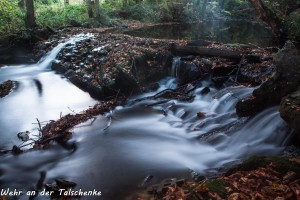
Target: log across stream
x: 161, y: 138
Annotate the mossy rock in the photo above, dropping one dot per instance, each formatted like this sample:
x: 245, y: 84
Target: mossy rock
x: 293, y: 25
x: 218, y: 186
x: 282, y: 164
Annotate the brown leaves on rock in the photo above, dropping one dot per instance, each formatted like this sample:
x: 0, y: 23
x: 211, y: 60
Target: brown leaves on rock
x: 5, y: 88
x: 262, y: 183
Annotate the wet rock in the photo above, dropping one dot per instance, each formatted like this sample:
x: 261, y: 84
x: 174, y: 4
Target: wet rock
x: 253, y: 58
x: 79, y: 82
x: 220, y: 80
x: 61, y: 183
x: 46, y: 45
x: 285, y: 81
x: 16, y: 150
x: 207, y: 63
x: 290, y: 111
x: 70, y: 73
x: 248, y: 76
x: 188, y: 72
x: 5, y: 88
x: 224, y: 70
x: 95, y: 91
x: 140, y: 66
x: 201, y: 115
x: 167, y: 61
x: 24, y: 136
x: 68, y: 56
x: 58, y: 66
x: 205, y: 90
x: 125, y: 83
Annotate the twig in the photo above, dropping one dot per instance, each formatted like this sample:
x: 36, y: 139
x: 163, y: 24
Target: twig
x: 157, y: 103
x: 109, y: 122
x: 40, y: 127
x: 117, y: 95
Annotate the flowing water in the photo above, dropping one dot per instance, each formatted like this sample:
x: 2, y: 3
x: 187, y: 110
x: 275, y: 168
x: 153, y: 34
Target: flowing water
x: 163, y: 140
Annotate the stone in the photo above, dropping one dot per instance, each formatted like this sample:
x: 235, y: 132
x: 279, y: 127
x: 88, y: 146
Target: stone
x: 285, y: 80
x: 125, y: 82
x: 205, y: 90
x: 68, y: 57
x: 201, y: 115
x: 290, y: 111
x: 287, y: 62
x: 95, y: 91
x: 188, y: 72
x: 252, y: 58
x: 224, y: 70
x: 167, y: 62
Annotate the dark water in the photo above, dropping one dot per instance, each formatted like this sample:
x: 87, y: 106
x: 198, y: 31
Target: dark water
x: 165, y: 141
x: 242, y: 32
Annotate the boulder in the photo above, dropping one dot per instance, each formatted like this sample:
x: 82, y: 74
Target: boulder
x: 58, y: 66
x: 290, y: 111
x: 285, y: 80
x: 253, y: 58
x: 124, y: 83
x: 188, y: 72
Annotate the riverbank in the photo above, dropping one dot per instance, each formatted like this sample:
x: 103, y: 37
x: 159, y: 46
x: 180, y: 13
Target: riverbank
x: 259, y: 177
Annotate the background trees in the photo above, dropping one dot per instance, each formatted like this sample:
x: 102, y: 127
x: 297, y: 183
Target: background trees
x: 16, y: 15
x: 30, y: 17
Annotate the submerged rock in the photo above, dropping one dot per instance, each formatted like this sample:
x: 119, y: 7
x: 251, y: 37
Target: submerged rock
x: 285, y: 80
x: 5, y: 88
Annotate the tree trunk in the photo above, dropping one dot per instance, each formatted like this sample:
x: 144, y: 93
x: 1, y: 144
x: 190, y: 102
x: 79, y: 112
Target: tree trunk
x: 97, y: 9
x: 90, y: 8
x: 21, y: 4
x: 268, y: 16
x: 30, y: 18
x: 204, y: 51
x: 222, y: 4
x: 203, y: 10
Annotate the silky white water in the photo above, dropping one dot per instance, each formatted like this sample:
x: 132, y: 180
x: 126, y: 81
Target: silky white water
x: 166, y: 140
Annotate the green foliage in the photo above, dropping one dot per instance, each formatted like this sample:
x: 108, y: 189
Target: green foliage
x: 238, y: 9
x: 293, y: 25
x: 282, y: 164
x: 217, y: 186
x: 56, y: 16
x: 46, y: 2
x: 11, y: 17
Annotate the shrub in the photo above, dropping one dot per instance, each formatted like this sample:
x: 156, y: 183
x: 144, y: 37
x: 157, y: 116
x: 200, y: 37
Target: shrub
x: 293, y: 25
x: 11, y: 17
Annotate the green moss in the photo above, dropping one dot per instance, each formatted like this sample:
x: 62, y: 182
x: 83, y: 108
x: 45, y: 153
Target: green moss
x: 282, y: 164
x: 217, y: 186
x: 293, y: 25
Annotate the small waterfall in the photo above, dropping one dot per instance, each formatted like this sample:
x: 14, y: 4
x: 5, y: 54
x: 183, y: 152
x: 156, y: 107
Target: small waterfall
x: 175, y: 66
x: 47, y: 59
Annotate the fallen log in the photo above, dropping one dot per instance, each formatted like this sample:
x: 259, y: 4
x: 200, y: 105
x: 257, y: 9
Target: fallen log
x: 205, y: 51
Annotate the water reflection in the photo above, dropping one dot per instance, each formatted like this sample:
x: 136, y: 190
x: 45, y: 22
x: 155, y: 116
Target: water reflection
x: 221, y: 31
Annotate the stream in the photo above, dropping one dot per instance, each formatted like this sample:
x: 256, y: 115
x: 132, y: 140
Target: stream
x: 165, y: 140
